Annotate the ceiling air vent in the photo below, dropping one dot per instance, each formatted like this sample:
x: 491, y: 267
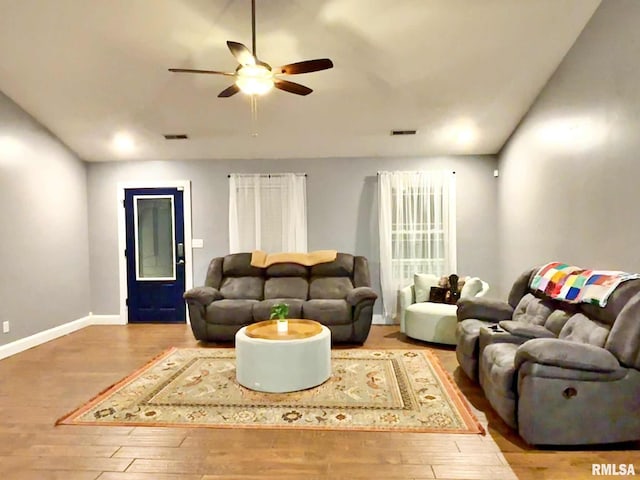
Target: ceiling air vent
x: 403, y: 132
x: 176, y: 136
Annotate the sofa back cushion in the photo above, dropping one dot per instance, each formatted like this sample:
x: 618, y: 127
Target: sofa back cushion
x: 556, y: 320
x: 239, y: 265
x: 214, y: 273
x: 287, y: 270
x: 580, y: 328
x: 361, y: 272
x: 615, y: 303
x: 249, y: 288
x: 520, y: 287
x: 532, y: 310
x: 286, y: 287
x: 329, y: 288
x: 342, y: 266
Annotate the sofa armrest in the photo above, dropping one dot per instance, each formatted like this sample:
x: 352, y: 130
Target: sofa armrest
x: 526, y: 330
x: 359, y: 294
x: 202, y: 295
x: 567, y: 354
x: 482, y: 308
x: 406, y: 297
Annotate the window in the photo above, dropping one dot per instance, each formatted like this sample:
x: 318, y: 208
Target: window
x: 417, y: 232
x: 267, y: 212
x: 417, y: 229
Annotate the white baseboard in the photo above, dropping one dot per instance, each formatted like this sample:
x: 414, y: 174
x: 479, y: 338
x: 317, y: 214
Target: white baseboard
x: 378, y: 319
x: 67, y: 328
x: 42, y: 337
x: 107, y: 320
x: 57, y: 332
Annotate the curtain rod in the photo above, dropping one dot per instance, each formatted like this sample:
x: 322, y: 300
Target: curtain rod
x: 269, y: 175
x: 411, y: 171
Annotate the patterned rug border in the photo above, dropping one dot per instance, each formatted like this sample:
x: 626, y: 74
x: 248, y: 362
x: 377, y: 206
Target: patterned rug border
x: 474, y: 427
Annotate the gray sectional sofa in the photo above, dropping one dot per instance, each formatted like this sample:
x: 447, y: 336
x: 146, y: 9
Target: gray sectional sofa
x: 337, y: 294
x: 559, y: 373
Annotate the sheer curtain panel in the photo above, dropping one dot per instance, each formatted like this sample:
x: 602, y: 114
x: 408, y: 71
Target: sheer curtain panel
x: 267, y: 212
x: 417, y: 220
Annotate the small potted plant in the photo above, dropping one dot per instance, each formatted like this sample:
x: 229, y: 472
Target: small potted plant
x: 279, y: 311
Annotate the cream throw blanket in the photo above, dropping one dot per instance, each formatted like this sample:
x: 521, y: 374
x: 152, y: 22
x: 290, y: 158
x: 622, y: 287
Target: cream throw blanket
x: 262, y: 259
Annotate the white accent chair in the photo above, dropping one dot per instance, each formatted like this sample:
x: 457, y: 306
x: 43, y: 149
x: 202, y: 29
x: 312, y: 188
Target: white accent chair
x: 428, y: 321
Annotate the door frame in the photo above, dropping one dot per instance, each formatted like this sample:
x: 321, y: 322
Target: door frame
x: 185, y: 185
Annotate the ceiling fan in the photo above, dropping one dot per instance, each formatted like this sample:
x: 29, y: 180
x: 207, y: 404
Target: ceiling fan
x: 255, y: 77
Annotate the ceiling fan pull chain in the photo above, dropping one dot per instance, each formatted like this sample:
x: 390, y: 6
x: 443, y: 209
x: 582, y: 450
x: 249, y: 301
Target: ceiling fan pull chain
x: 254, y: 111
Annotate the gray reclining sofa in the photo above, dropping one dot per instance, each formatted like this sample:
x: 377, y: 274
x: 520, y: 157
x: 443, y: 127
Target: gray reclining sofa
x: 337, y: 294
x: 559, y: 373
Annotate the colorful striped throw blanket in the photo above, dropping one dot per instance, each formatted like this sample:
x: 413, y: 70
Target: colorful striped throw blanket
x: 576, y: 285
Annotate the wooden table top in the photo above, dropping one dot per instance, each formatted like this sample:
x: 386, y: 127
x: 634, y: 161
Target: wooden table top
x: 298, y: 329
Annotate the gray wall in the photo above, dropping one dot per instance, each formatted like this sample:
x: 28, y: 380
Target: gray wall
x: 569, y: 176
x: 44, y: 237
x: 341, y: 201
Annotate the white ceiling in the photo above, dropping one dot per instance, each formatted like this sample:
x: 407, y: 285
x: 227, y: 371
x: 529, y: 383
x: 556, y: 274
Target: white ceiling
x: 461, y: 72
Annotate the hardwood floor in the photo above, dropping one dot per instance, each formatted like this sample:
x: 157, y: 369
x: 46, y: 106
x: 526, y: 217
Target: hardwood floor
x: 42, y: 384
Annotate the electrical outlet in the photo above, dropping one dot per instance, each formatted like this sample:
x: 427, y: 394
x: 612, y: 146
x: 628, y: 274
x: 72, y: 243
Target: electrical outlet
x: 5, y: 326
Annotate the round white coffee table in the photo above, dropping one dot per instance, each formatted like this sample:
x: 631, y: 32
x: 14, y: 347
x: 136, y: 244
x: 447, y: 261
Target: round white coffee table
x: 268, y: 361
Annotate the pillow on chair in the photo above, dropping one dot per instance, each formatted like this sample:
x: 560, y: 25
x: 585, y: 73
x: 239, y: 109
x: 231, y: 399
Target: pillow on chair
x: 422, y: 283
x: 471, y: 287
x: 438, y: 295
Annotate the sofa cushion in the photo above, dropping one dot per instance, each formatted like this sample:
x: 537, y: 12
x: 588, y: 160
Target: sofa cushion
x: 286, y: 287
x: 239, y: 265
x: 327, y: 311
x: 532, y: 310
x: 556, y: 320
x: 422, y: 283
x: 231, y: 312
x: 472, y: 286
x: 580, y: 328
x: 323, y: 288
x: 439, y: 309
x: 262, y: 310
x: 615, y: 303
x: 287, y: 270
x: 342, y: 266
x: 242, y: 288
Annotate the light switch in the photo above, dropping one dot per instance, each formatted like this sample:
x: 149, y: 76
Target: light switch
x: 197, y: 243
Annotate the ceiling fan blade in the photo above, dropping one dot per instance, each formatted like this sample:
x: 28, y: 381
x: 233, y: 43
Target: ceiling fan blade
x: 242, y: 53
x: 291, y: 87
x: 227, y: 92
x: 190, y: 70
x: 306, y: 66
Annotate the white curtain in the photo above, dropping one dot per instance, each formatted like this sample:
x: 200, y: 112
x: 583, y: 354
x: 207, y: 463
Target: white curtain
x: 417, y: 220
x: 267, y: 212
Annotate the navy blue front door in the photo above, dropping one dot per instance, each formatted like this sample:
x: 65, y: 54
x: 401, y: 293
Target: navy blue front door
x: 155, y: 254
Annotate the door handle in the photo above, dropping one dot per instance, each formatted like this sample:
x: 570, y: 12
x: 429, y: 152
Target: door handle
x: 180, y: 262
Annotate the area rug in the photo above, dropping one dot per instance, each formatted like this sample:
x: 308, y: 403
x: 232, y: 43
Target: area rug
x: 373, y: 390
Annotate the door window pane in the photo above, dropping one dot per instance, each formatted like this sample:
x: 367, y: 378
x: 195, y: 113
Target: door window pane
x: 155, y: 256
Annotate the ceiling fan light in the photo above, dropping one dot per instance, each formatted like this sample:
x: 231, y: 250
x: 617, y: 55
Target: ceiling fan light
x: 254, y: 79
